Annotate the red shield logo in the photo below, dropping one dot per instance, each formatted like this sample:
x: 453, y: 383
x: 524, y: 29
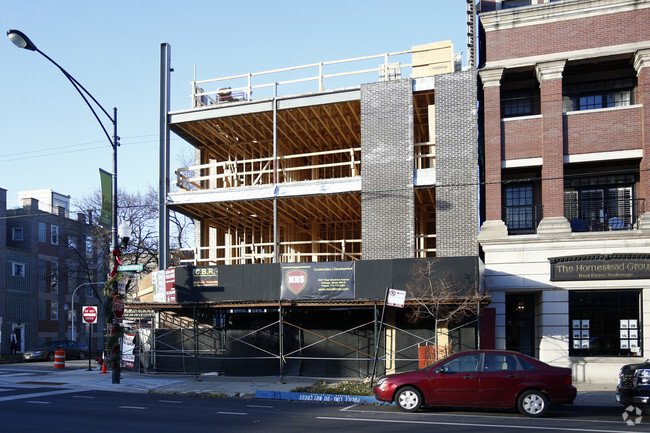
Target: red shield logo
x: 295, y: 281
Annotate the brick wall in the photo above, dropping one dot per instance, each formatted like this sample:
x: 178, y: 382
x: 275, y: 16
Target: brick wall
x: 387, y: 197
x: 590, y: 131
x: 552, y: 148
x: 583, y: 33
x: 457, y: 187
x: 522, y: 138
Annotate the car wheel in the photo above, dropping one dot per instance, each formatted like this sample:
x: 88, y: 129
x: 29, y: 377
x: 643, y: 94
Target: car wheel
x: 82, y: 354
x: 408, y: 399
x: 50, y: 356
x: 533, y: 403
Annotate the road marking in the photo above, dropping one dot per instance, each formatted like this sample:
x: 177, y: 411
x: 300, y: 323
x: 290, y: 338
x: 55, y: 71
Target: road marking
x: 232, y: 413
x: 38, y: 402
x: 133, y: 407
x: 466, y: 424
x: 37, y: 394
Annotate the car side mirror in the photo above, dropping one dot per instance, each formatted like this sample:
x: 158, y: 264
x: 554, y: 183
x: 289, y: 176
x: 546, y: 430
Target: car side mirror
x: 440, y: 371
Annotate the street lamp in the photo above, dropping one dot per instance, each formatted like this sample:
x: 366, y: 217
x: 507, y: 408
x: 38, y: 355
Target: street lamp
x: 72, y: 315
x: 20, y: 40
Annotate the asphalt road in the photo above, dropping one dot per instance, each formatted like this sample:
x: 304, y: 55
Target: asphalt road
x: 27, y: 408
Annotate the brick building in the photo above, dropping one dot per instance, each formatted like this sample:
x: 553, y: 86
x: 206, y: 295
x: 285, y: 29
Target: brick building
x: 319, y: 174
x: 43, y: 258
x: 565, y: 120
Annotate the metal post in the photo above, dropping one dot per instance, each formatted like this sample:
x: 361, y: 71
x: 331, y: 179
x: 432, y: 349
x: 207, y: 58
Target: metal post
x: 163, y: 169
x: 275, y: 174
x: 378, y: 339
x: 281, y: 343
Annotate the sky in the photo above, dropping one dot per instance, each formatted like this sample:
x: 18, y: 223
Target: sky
x: 49, y: 138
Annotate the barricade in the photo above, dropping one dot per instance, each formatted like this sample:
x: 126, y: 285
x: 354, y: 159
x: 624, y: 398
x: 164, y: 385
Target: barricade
x: 59, y: 359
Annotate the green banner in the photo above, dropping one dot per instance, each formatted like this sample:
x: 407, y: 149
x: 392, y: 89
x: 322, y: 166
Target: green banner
x: 106, y: 180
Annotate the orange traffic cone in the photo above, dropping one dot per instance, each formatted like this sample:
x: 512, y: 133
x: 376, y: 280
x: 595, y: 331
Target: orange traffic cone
x: 103, y: 367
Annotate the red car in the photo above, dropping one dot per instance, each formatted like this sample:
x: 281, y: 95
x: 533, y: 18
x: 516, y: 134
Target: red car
x: 481, y: 378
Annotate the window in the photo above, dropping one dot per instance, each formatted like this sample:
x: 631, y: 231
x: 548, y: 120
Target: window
x: 42, y: 232
x: 54, y: 311
x: 507, y: 4
x: 42, y: 276
x: 17, y: 269
x: 599, y: 203
x: 598, y: 94
x: 519, y: 209
x: 54, y: 235
x: 462, y: 364
x: 54, y: 275
x: 17, y: 234
x: 605, y: 323
x: 517, y: 103
x: 42, y: 310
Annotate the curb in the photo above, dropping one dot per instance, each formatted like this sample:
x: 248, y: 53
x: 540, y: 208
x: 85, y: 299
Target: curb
x: 318, y: 398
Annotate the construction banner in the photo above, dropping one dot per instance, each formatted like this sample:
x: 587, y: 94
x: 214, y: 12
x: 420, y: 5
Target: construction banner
x: 333, y: 280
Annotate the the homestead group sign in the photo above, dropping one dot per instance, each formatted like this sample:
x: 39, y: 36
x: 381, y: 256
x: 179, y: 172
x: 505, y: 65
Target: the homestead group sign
x: 601, y: 267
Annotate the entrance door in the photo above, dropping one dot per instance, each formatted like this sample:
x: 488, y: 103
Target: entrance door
x: 520, y: 323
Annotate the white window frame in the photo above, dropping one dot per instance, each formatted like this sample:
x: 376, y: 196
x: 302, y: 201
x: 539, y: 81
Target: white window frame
x: 17, y: 234
x: 18, y: 269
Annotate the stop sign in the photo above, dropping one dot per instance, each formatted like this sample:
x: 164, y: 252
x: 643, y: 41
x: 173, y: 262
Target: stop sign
x: 89, y: 314
x: 118, y: 307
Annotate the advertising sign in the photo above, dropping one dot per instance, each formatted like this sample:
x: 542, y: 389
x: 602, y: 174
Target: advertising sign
x: 128, y: 359
x: 601, y: 267
x: 318, y: 281
x: 170, y: 281
x: 205, y: 276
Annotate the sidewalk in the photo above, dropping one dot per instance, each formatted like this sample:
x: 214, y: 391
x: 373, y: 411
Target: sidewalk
x: 76, y: 375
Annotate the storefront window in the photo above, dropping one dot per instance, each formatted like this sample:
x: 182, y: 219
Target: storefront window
x: 605, y: 323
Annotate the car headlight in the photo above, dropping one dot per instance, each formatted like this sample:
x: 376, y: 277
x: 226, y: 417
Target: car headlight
x: 380, y: 381
x: 642, y: 376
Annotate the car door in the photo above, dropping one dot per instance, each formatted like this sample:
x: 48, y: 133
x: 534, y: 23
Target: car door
x: 500, y: 380
x: 456, y: 382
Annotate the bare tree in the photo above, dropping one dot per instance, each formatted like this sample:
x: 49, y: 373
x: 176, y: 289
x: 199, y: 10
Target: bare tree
x: 140, y: 210
x: 441, y: 296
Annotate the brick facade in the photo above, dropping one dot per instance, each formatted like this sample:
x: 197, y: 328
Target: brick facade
x: 456, y: 165
x: 387, y: 196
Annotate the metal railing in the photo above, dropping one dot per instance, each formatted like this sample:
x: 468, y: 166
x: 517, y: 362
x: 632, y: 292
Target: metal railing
x: 603, y: 214
x: 522, y: 219
x: 241, y: 87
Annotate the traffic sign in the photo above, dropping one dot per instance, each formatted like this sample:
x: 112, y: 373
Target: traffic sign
x: 89, y: 314
x: 123, y: 268
x: 396, y: 298
x: 118, y: 307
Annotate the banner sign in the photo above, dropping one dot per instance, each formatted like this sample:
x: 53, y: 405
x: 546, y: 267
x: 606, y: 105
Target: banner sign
x: 158, y: 282
x: 601, y: 267
x: 128, y: 358
x: 330, y: 280
x: 170, y: 285
x: 205, y: 276
x: 106, y: 182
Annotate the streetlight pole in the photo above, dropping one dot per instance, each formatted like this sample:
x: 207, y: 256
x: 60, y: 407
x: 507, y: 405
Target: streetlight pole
x: 72, y: 305
x: 20, y: 40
